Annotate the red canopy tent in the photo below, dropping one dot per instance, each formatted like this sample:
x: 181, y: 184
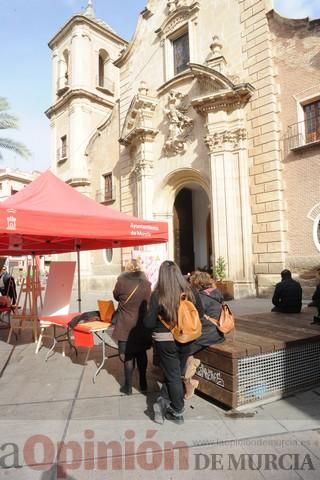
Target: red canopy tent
x: 48, y: 216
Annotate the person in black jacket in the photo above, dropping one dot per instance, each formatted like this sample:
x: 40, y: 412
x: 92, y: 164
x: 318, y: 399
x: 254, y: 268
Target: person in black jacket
x: 287, y: 297
x: 211, y: 299
x: 173, y: 355
x: 8, y: 285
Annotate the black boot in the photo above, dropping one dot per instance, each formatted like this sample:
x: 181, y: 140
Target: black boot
x: 128, y: 373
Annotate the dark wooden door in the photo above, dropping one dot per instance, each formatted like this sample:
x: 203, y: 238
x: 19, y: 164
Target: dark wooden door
x: 183, y: 231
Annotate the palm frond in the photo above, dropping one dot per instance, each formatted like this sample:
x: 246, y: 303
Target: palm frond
x: 4, y: 104
x: 8, y: 121
x: 15, y: 147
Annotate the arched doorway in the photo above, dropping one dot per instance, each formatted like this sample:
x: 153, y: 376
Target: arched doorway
x: 192, y: 229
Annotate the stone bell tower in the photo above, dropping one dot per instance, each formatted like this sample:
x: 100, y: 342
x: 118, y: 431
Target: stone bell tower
x: 85, y: 88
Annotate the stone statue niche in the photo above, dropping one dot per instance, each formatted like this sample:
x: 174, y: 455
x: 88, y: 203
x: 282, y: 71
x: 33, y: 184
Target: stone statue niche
x: 180, y: 125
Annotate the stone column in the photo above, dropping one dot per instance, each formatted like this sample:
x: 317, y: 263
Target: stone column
x: 80, y: 58
x: 230, y: 204
x: 144, y: 179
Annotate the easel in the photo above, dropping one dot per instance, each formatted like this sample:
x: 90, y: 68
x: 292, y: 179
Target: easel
x: 32, y: 290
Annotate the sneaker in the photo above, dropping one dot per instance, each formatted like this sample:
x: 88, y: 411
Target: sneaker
x: 174, y: 416
x: 159, y: 408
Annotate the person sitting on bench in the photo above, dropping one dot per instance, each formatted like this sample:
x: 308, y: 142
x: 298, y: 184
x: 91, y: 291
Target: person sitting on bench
x: 287, y: 297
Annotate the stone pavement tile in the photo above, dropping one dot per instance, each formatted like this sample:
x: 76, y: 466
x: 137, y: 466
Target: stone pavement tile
x: 252, y: 426
x: 36, y: 391
x: 284, y: 456
x: 35, y: 441
x: 28, y: 412
x: 92, y: 408
x: 122, y: 435
x: 293, y: 414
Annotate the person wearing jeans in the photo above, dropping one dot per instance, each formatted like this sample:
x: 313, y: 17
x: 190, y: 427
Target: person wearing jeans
x: 173, y: 355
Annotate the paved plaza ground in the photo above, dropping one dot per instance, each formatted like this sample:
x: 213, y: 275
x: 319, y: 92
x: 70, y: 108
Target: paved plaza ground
x: 52, y: 412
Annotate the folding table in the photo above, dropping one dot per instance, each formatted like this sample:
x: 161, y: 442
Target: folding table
x: 83, y: 335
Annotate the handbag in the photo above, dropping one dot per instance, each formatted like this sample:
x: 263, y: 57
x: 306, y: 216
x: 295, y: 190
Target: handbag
x: 115, y: 315
x: 5, y: 301
x: 226, y: 322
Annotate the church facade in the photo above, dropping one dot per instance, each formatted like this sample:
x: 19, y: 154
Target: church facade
x: 208, y: 119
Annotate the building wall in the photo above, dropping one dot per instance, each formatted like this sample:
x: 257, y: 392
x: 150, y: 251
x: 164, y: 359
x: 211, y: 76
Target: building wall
x: 297, y: 53
x: 249, y: 69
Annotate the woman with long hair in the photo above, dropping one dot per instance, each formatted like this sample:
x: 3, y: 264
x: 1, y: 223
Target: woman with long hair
x: 164, y: 304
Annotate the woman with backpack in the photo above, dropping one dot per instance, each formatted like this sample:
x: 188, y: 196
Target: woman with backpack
x: 162, y: 318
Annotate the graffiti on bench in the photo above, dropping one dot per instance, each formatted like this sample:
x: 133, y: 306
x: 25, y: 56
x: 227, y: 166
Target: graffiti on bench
x: 211, y: 375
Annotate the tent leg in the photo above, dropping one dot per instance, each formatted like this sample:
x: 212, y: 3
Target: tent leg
x: 79, y: 282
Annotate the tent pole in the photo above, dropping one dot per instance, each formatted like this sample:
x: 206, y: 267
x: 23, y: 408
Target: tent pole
x: 79, y: 283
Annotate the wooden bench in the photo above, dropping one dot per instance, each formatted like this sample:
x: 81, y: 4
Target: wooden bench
x: 269, y: 356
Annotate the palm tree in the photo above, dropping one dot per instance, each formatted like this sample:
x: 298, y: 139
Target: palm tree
x: 10, y: 121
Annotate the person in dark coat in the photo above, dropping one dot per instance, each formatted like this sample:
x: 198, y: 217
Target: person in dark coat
x: 132, y: 291
x: 287, y: 297
x: 8, y: 285
x: 211, y: 299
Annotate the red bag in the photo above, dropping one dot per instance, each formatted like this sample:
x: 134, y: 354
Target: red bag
x: 5, y: 301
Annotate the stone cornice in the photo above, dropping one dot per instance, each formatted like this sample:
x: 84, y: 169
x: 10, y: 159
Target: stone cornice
x: 75, y: 94
x: 78, y: 182
x: 81, y: 19
x: 139, y: 135
x: 218, y: 80
x: 225, y: 99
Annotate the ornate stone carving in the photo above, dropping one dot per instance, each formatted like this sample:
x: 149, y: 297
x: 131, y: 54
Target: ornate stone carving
x: 138, y: 124
x: 180, y: 125
x: 174, y: 5
x: 225, y: 139
x: 142, y: 168
x: 180, y: 11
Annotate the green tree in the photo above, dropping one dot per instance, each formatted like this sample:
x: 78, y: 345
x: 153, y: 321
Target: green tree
x: 10, y: 121
x: 220, y: 269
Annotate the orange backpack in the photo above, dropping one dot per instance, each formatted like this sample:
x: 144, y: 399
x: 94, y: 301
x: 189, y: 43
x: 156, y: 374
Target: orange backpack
x: 188, y: 327
x: 226, y: 322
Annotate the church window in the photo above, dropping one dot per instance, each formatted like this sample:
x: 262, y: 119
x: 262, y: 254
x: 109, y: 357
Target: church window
x: 104, y: 77
x: 101, y: 71
x: 64, y: 146
x: 108, y: 189
x: 181, y: 55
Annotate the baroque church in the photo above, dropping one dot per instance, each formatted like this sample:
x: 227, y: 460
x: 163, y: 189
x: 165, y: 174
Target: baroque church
x: 209, y: 119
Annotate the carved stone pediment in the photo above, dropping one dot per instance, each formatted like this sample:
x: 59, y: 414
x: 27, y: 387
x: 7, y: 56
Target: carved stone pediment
x: 138, y: 125
x: 180, y: 11
x: 218, y: 92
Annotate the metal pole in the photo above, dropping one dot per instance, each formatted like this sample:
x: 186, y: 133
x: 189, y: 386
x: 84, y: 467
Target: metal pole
x: 79, y: 282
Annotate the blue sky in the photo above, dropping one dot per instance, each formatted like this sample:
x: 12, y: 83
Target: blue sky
x: 25, y: 79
